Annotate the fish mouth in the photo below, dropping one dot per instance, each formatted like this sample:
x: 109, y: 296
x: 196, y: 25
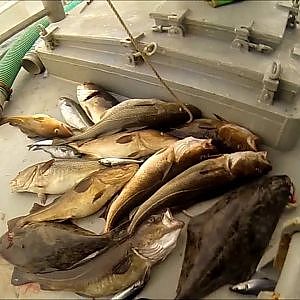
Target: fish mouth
x: 159, y: 249
x: 252, y: 143
x: 169, y: 221
x: 292, y: 198
x: 191, y: 146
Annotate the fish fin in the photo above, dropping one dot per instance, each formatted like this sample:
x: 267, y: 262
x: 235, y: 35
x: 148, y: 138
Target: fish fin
x: 122, y: 266
x: 207, y: 127
x: 28, y: 132
x: 143, y: 104
x: 132, y: 213
x: 13, y: 222
x: 83, y: 295
x: 166, y: 171
x: 40, y: 118
x: 102, y: 212
x: 125, y: 139
x: 83, y: 185
x: 20, y: 277
x: 107, y: 206
x: 42, y: 197
x: 4, y: 120
x: 220, y: 118
x: 88, y: 113
x: 59, y: 142
x: 71, y: 223
x: 98, y: 196
x: 137, y: 128
x: 36, y: 207
x: 46, y: 166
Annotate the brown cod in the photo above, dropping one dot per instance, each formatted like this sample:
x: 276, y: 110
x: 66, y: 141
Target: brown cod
x: 203, y: 181
x: 94, y: 100
x: 136, y: 113
x: 155, y: 171
x: 39, y: 125
x: 231, y: 137
x: 135, y: 144
x: 53, y: 176
x: 225, y: 243
x: 119, y: 267
x: 84, y: 199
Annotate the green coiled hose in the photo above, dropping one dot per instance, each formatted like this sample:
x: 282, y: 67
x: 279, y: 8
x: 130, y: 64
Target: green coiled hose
x: 11, y: 62
x: 216, y: 3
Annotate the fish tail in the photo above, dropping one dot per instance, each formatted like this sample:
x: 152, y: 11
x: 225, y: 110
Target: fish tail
x: 16, y: 222
x: 60, y: 142
x: 20, y: 277
x: 4, y: 120
x: 13, y: 120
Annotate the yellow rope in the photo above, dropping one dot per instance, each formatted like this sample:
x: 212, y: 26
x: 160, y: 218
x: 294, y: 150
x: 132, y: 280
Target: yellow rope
x: 148, y: 62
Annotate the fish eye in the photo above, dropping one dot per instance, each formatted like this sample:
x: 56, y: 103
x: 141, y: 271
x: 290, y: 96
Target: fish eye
x: 56, y: 130
x: 152, y: 219
x: 22, y: 246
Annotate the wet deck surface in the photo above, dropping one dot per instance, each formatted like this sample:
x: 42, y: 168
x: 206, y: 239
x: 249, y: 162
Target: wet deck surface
x: 40, y: 95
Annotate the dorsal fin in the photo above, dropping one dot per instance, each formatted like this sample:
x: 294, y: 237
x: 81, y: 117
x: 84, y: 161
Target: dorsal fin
x: 36, y: 207
x: 46, y: 165
x: 220, y: 118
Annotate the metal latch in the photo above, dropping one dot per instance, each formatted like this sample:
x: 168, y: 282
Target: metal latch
x: 170, y: 23
x: 135, y: 57
x: 293, y: 12
x: 48, y: 37
x: 270, y: 83
x: 242, y: 40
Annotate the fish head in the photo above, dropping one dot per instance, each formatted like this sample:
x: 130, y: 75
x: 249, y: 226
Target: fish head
x: 179, y: 109
x: 282, y: 183
x: 237, y: 137
x: 154, y: 139
x: 240, y: 287
x: 24, y: 179
x: 157, y: 237
x: 62, y: 130
x: 193, y: 149
x: 248, y: 163
x: 13, y: 249
x: 65, y: 101
x: 85, y: 90
x: 195, y: 111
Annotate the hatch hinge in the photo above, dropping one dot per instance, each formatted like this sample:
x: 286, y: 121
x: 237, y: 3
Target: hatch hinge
x: 270, y: 83
x: 135, y: 57
x: 293, y: 12
x: 170, y: 23
x: 242, y: 40
x: 48, y: 37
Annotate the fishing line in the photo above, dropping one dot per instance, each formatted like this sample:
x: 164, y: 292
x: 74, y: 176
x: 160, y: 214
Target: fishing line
x: 145, y: 58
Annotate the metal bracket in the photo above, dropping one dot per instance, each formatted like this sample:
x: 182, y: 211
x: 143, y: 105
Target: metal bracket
x: 293, y: 12
x: 270, y: 83
x: 127, y: 42
x: 242, y: 40
x: 170, y: 23
x: 135, y: 57
x: 48, y: 37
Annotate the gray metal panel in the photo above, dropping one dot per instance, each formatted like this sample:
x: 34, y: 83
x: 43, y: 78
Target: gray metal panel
x: 203, y: 70
x: 226, y: 18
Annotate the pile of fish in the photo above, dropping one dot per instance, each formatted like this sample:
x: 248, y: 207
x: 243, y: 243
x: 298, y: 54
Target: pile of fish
x: 136, y: 163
